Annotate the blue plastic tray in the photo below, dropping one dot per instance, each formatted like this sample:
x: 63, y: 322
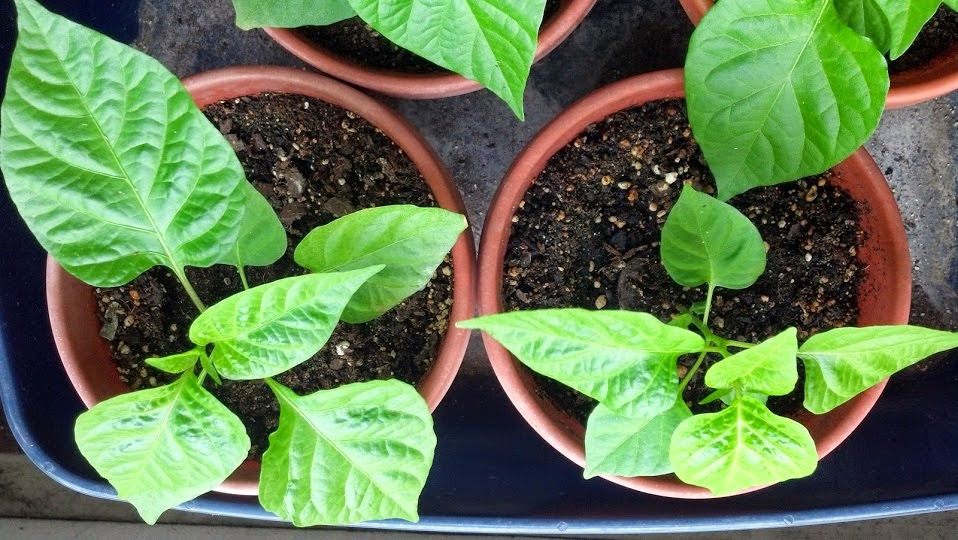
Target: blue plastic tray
x: 492, y: 473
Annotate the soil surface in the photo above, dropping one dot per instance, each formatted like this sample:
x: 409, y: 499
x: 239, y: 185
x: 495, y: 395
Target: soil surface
x: 314, y: 162
x: 358, y: 42
x: 587, y: 235
x: 938, y: 35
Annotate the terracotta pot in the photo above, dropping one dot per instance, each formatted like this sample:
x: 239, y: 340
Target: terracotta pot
x: 884, y: 295
x: 907, y: 88
x: 421, y: 86
x: 72, y: 305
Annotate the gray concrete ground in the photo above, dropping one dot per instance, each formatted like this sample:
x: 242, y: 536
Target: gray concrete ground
x: 915, y: 147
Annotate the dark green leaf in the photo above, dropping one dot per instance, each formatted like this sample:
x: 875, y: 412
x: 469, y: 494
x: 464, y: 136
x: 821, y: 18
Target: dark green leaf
x: 707, y: 241
x: 355, y: 453
x: 627, y: 446
x: 844, y: 362
x: 164, y: 446
x: 780, y: 89
x: 743, y: 446
x: 175, y: 363
x: 409, y: 241
x: 290, y: 13
x: 768, y: 368
x: 107, y: 158
x: 905, y: 19
x: 868, y: 19
x: 272, y: 328
x: 624, y: 359
x: 489, y: 41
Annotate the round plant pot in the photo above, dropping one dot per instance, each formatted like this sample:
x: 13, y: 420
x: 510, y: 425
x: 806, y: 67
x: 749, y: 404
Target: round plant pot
x: 421, y: 86
x: 72, y: 304
x: 884, y: 295
x: 937, y: 78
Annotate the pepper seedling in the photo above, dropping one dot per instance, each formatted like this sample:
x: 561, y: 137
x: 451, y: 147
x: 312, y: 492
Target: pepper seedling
x: 490, y: 41
x: 642, y: 425
x: 778, y: 90
x: 115, y: 170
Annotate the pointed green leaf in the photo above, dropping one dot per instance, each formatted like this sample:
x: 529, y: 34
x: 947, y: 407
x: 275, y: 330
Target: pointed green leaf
x: 780, y: 89
x: 175, y: 363
x: 953, y: 4
x: 107, y: 158
x: 707, y: 241
x: 290, y: 13
x: 355, y: 453
x: 271, y: 328
x: 905, y: 19
x: 489, y: 41
x: 844, y: 362
x: 164, y: 446
x: 410, y: 242
x: 868, y: 19
x: 768, y: 368
x: 743, y: 446
x: 626, y: 446
x: 624, y: 359
x: 262, y: 239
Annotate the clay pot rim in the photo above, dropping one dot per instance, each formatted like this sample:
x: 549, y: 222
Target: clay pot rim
x: 420, y: 85
x: 557, y: 428
x: 940, y: 77
x: 213, y: 86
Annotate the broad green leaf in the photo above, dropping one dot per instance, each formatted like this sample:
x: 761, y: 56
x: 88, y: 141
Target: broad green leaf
x: 626, y: 446
x: 904, y: 19
x: 410, y: 242
x: 707, y: 241
x: 489, y: 41
x: 290, y: 13
x: 175, y: 363
x: 768, y: 368
x: 743, y: 446
x: 953, y: 4
x: 844, y: 362
x: 868, y: 19
x: 355, y: 453
x: 164, y: 446
x: 272, y: 328
x: 262, y: 239
x: 624, y: 359
x: 780, y: 89
x: 107, y: 158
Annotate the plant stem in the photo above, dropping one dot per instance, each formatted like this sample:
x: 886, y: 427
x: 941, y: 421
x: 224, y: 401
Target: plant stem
x: 201, y: 377
x: 708, y: 305
x: 739, y: 344
x: 242, y: 273
x: 181, y: 275
x: 688, y: 376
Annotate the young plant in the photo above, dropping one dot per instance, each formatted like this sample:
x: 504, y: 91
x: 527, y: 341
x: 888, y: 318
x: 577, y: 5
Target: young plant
x: 782, y: 89
x: 115, y: 170
x: 626, y: 360
x: 492, y: 42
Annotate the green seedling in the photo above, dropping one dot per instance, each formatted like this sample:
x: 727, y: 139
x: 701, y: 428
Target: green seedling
x: 626, y: 360
x: 115, y: 170
x: 492, y: 42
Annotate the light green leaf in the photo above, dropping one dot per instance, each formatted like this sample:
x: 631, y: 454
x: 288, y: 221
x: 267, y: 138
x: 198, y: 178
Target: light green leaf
x: 175, y: 363
x: 489, y: 41
x: 626, y: 446
x: 743, y: 446
x: 953, y: 4
x: 410, y: 242
x: 707, y: 241
x: 624, y: 359
x: 290, y: 13
x: 164, y: 446
x: 780, y: 89
x: 355, y: 453
x: 262, y: 239
x: 768, y: 368
x: 272, y: 328
x: 868, y: 19
x: 905, y: 18
x: 107, y: 158
x: 844, y: 362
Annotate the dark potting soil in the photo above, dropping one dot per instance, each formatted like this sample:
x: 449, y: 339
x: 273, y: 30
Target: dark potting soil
x: 938, y: 35
x: 358, y: 42
x: 314, y: 162
x: 587, y: 235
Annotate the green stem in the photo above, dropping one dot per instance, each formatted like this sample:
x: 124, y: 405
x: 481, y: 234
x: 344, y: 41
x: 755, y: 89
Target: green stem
x: 181, y: 275
x: 739, y: 344
x: 201, y: 377
x: 242, y: 274
x: 708, y: 305
x: 688, y: 376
